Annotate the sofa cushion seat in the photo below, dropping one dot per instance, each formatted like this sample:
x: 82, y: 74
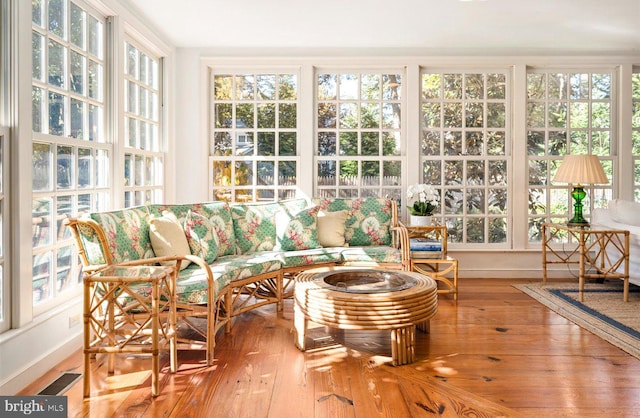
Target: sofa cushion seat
x: 372, y: 254
x: 192, y: 281
x: 238, y: 267
x: 311, y: 257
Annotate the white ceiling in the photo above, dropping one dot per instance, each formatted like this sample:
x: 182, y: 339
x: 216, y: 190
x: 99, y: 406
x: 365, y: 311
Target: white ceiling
x: 583, y: 26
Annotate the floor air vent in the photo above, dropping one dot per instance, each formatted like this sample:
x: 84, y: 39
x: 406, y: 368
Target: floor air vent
x: 61, y: 384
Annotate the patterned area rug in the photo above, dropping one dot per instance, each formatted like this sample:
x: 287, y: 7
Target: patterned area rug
x: 603, y: 311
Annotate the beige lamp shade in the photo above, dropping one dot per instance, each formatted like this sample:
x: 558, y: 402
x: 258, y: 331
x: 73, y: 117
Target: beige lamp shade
x: 581, y: 169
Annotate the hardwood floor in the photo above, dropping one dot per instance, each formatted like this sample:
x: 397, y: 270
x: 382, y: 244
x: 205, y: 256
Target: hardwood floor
x: 495, y: 352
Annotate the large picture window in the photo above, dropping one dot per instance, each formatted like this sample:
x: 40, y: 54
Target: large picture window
x: 254, y: 143
x: 464, y: 152
x: 359, y: 134
x: 568, y: 112
x: 143, y: 158
x: 70, y: 152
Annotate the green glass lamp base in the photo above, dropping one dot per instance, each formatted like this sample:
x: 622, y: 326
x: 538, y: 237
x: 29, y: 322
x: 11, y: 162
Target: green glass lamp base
x: 578, y: 220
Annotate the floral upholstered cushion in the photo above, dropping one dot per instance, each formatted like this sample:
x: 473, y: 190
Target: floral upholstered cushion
x: 370, y: 220
x: 168, y: 238
x: 201, y: 236
x: 255, y: 224
x: 254, y: 228
x: 91, y: 244
x: 127, y: 233
x: 218, y: 214
x: 298, y: 231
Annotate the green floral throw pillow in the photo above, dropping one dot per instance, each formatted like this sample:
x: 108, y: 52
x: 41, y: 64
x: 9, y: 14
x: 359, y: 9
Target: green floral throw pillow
x: 201, y: 236
x: 297, y: 232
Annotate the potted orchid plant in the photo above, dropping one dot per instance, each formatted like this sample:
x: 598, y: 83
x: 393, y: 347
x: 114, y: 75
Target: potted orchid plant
x: 425, y: 199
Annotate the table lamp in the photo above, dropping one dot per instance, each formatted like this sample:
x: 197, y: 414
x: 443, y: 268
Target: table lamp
x: 579, y: 170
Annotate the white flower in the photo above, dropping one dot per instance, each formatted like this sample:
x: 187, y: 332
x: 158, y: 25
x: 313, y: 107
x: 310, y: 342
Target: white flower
x: 426, y: 199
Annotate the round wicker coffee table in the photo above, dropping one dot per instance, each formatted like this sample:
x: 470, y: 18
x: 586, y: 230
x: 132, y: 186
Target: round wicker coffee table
x: 366, y: 299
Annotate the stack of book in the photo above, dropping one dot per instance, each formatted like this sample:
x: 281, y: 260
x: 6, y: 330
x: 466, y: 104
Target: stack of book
x: 425, y: 248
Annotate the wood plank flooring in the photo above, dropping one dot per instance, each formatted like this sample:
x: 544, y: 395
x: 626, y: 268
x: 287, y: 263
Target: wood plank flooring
x: 495, y: 352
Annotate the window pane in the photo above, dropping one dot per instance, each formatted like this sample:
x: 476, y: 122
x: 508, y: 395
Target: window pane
x: 37, y: 12
x: 77, y: 119
x: 41, y: 222
x: 56, y: 17
x: 37, y: 110
x: 96, y: 83
x: 64, y: 269
x: 95, y: 123
x: 42, y: 283
x: 64, y: 205
x: 65, y: 167
x: 77, y: 26
x: 85, y: 163
x: 37, y: 56
x: 102, y: 168
x: 95, y: 37
x: 56, y: 68
x: 42, y: 167
x: 56, y: 114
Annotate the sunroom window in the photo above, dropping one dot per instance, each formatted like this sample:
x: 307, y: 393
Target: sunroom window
x: 359, y: 132
x: 568, y: 112
x: 464, y: 152
x: 70, y: 154
x: 143, y: 157
x: 253, y: 153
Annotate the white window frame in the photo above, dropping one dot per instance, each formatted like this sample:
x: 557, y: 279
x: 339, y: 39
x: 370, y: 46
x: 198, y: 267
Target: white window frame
x: 143, y: 166
x: 98, y: 195
x: 232, y: 192
x: 445, y: 217
x: 597, y: 195
x: 393, y: 189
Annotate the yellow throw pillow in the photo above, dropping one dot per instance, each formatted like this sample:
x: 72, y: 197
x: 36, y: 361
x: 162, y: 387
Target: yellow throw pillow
x: 168, y: 238
x: 331, y: 228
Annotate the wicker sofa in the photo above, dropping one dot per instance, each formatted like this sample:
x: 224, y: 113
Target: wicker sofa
x: 245, y: 255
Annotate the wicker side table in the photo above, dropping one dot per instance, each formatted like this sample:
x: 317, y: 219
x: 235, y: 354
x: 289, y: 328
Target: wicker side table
x: 589, y: 252
x: 441, y: 264
x: 129, y: 309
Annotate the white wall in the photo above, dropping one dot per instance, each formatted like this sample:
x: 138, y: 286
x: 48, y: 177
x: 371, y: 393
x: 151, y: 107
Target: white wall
x: 190, y: 149
x: 27, y: 353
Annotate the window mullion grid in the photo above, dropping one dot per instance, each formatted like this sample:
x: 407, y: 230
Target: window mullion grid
x: 70, y: 191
